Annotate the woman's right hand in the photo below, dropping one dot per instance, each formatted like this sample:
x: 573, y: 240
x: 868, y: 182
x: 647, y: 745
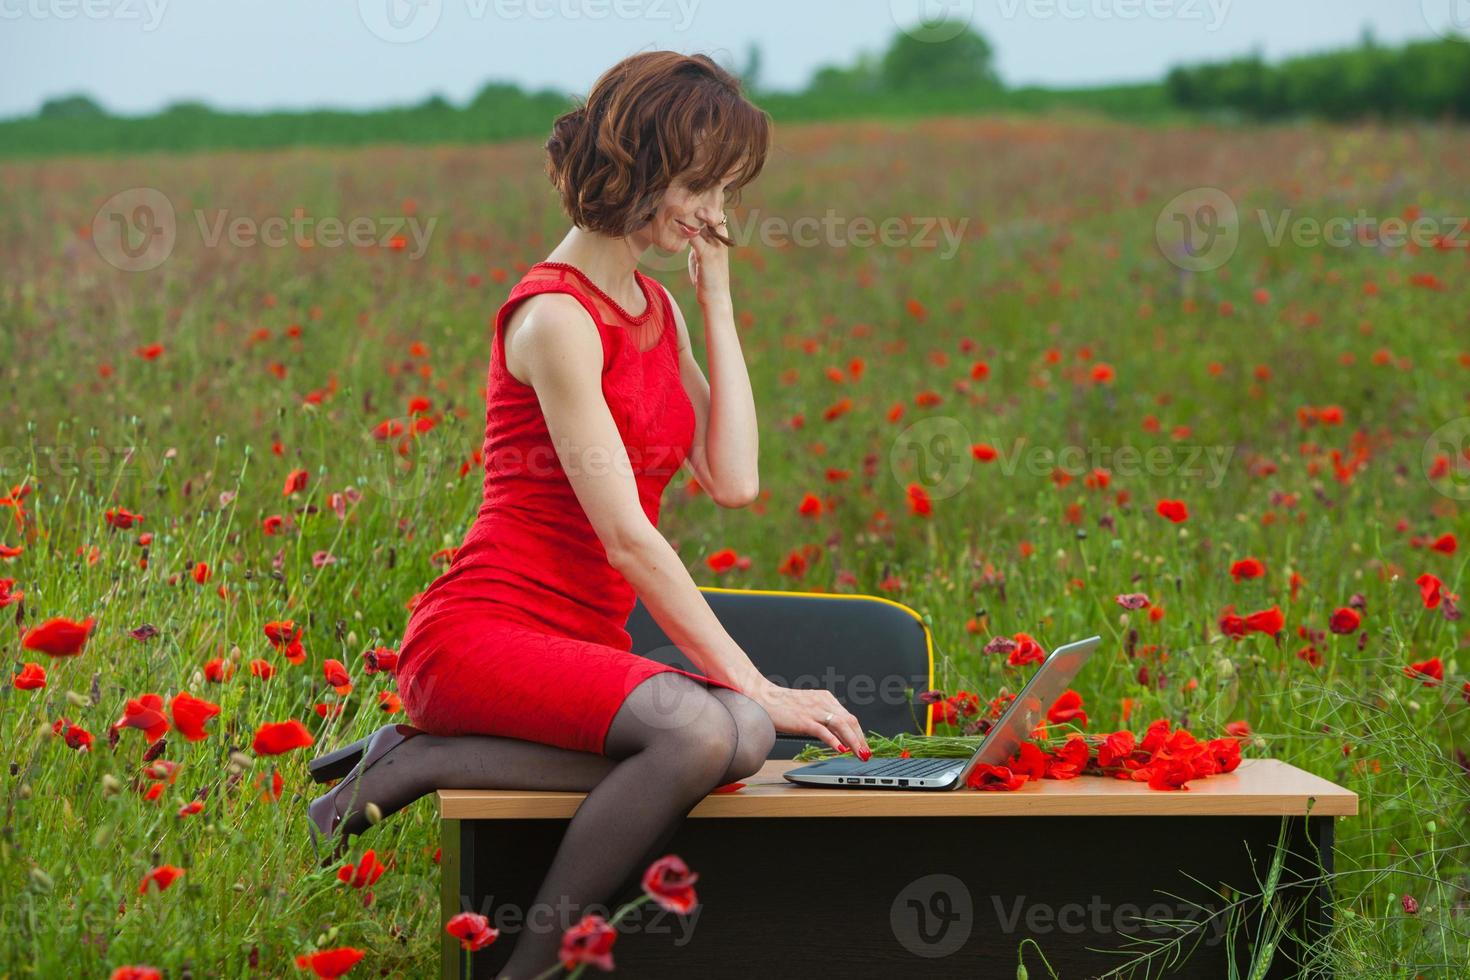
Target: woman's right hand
x: 800, y: 711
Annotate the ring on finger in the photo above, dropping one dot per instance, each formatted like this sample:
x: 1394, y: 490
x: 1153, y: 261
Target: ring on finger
x: 828, y: 720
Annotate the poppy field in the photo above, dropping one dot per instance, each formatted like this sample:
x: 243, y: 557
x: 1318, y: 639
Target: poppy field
x: 1203, y: 391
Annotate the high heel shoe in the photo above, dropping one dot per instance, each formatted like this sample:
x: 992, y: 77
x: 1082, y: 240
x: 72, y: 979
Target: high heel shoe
x: 337, y: 764
x: 325, y: 821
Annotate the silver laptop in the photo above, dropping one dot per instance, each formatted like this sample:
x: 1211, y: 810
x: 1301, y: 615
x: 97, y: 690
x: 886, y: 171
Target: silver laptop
x: 1000, y: 744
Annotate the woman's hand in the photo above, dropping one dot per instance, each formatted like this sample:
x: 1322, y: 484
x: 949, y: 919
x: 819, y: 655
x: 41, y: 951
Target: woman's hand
x: 709, y: 267
x: 800, y: 712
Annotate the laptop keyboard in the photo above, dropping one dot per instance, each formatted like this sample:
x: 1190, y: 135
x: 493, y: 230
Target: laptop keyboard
x: 909, y: 767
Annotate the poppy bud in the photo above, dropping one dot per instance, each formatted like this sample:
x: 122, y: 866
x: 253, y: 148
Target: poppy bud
x: 373, y: 813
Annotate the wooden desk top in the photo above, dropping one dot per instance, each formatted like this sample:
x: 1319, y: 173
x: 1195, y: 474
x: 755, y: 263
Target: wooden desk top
x: 1258, y: 787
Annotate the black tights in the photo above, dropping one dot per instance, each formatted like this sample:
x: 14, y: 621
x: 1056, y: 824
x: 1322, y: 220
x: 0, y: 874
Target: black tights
x: 672, y: 741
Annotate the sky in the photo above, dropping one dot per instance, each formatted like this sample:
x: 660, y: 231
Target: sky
x: 136, y: 56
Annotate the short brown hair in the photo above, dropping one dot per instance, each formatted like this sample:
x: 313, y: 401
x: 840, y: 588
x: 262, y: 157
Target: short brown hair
x: 613, y: 157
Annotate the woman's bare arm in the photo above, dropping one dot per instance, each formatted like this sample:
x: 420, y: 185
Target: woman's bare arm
x: 726, y: 440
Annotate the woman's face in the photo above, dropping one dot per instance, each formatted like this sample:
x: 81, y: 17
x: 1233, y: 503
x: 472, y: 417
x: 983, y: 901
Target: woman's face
x: 682, y: 214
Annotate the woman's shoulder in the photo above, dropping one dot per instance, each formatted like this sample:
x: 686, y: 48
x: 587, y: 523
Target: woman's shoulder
x: 553, y: 320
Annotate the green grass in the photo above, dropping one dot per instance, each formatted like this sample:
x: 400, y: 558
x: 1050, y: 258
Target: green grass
x: 1059, y: 254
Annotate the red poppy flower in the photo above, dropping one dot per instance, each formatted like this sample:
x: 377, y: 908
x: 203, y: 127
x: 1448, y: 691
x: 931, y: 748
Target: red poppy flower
x: 1344, y: 620
x: 7, y: 597
x: 1444, y: 544
x: 136, y: 973
x: 144, y: 713
x: 31, y: 677
x: 335, y: 671
x: 670, y: 883
x: 380, y: 659
x: 59, y: 637
x: 589, y: 941
x: 330, y: 963
x: 279, y: 737
x: 722, y: 560
x: 1069, y: 760
x: 988, y: 777
x: 262, y: 669
x: 472, y: 930
x: 1225, y: 752
x: 218, y: 670
x: 1266, y: 621
x: 162, y: 876
x: 121, y: 518
x: 285, y: 636
x: 1029, y: 761
x: 76, y: 736
x: 1026, y: 651
x: 1247, y: 568
x: 1115, y: 748
x: 1068, y: 707
x: 1431, y: 670
x: 295, y: 482
x: 367, y: 870
x: 190, y: 714
x: 1165, y: 774
x: 1431, y: 589
x: 1174, y: 510
x: 919, y: 502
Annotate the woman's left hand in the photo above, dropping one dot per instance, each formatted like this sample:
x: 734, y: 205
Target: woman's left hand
x: 709, y: 266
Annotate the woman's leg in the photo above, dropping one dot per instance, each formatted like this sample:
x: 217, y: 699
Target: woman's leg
x: 671, y: 730
x: 674, y: 741
x: 426, y: 762
x: 757, y: 736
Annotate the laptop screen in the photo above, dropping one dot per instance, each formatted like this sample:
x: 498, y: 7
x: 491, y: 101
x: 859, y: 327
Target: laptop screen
x: 1030, y: 706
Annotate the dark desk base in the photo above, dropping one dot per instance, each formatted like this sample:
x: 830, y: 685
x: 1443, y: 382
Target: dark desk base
x: 923, y: 897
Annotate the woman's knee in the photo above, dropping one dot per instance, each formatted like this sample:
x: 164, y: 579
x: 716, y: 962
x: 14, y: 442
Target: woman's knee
x: 755, y: 732
x: 675, y: 715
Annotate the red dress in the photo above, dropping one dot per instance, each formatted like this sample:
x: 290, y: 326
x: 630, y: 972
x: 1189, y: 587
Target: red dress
x: 523, y: 634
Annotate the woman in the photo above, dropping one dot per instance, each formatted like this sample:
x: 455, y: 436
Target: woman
x: 515, y: 667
